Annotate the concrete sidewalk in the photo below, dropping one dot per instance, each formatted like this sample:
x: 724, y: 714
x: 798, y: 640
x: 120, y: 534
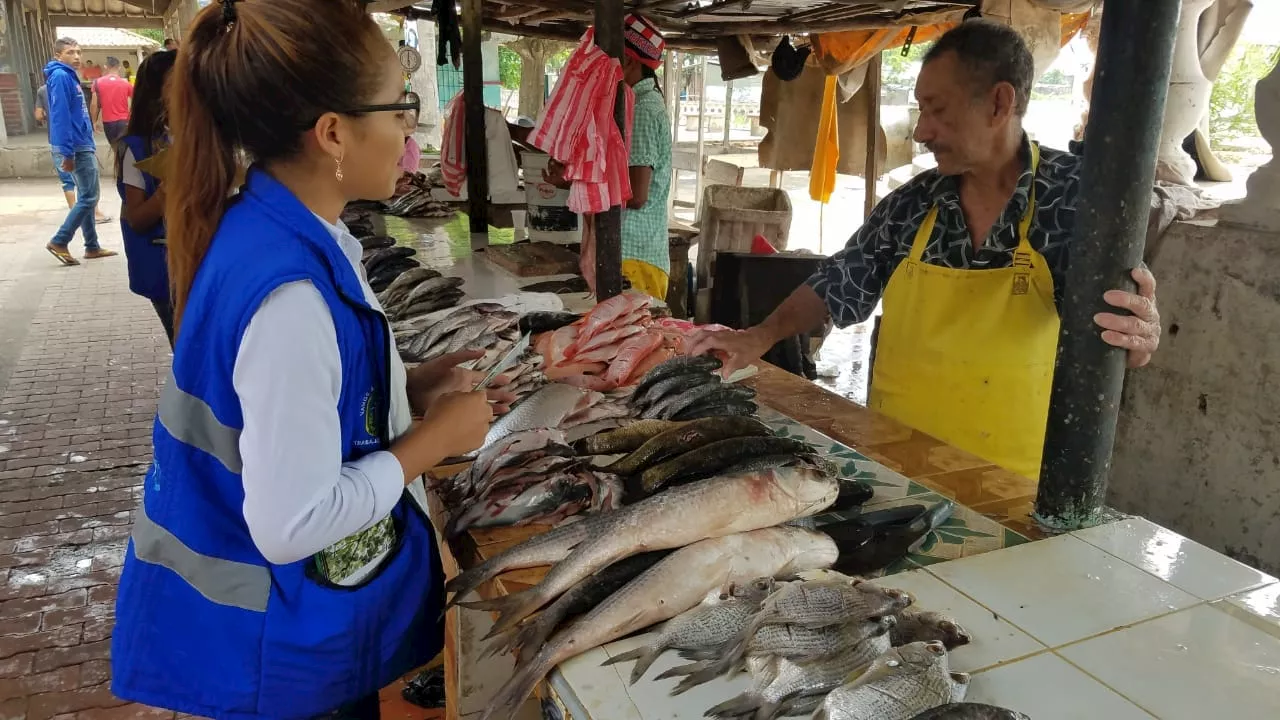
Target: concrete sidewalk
x: 81, y: 363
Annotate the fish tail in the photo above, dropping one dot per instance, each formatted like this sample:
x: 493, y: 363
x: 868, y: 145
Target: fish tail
x: 744, y: 704
x: 469, y: 580
x: 644, y: 657
x: 821, y: 713
x: 512, y: 609
x: 698, y: 673
x: 509, y: 697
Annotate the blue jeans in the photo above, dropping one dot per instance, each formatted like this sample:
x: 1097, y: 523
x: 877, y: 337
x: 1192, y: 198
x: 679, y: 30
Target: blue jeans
x: 68, y: 181
x: 82, y: 213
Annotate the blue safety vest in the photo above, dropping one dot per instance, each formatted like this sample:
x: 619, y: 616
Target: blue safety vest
x: 204, y: 624
x: 148, y: 261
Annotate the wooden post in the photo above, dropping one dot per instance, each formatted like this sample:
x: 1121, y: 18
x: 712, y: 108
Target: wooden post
x: 728, y: 112
x: 473, y: 105
x: 671, y: 92
x: 702, y: 121
x: 608, y: 230
x: 873, y: 133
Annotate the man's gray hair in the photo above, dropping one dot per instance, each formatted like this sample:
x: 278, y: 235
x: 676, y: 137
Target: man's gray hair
x: 63, y: 43
x: 991, y: 53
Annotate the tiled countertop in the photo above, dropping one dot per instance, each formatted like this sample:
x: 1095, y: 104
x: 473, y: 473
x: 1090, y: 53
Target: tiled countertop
x: 1126, y: 620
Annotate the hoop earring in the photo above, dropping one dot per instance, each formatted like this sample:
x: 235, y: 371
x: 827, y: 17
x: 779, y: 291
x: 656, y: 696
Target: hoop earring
x: 337, y: 173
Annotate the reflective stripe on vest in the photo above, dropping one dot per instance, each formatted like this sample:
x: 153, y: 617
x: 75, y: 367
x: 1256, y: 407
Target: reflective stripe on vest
x: 191, y: 421
x: 225, y: 582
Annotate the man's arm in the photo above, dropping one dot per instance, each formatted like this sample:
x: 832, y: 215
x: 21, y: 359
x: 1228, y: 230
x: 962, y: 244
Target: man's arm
x: 62, y: 98
x: 94, y: 107
x: 641, y: 177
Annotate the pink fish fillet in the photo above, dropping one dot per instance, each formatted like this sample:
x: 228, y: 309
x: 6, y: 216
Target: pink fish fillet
x: 588, y: 382
x: 605, y: 314
x: 655, y: 358
x: 608, y: 337
x: 557, y: 348
x: 632, y: 353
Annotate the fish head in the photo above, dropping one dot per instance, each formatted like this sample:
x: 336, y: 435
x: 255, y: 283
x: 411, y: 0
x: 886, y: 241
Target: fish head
x: 919, y: 657
x: 809, y: 490
x: 890, y: 599
x: 883, y: 624
x: 945, y: 630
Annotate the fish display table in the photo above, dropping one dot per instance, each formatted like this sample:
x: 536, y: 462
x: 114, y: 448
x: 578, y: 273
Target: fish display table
x: 1126, y: 620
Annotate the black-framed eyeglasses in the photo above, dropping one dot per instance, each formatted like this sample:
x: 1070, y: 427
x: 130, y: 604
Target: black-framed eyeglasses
x: 410, y: 104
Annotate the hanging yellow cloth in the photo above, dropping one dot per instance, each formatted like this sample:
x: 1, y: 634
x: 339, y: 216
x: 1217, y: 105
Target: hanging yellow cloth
x: 826, y: 152
x: 1072, y: 24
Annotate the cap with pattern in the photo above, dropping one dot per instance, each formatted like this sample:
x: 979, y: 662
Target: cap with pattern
x: 644, y: 43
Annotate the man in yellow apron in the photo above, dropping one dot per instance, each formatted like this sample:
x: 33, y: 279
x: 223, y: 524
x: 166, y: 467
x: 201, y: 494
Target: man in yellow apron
x: 969, y: 260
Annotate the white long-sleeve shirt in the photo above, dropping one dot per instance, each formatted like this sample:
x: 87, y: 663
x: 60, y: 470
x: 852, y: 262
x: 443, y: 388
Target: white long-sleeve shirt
x: 299, y: 497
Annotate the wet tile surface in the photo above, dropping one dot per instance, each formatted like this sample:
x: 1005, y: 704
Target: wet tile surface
x: 1195, y: 664
x: 1046, y: 687
x: 1062, y: 589
x: 1263, y: 604
x: 1183, y: 563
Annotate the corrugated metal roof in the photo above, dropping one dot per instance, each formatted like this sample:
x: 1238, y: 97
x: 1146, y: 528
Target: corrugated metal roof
x: 107, y: 8
x: 99, y: 37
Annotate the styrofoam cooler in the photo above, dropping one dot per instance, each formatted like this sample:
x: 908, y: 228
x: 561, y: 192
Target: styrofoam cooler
x: 549, y: 218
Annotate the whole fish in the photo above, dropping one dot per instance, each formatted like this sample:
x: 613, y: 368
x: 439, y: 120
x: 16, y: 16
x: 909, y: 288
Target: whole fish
x: 664, y: 408
x: 376, y: 242
x: 705, y: 395
x: 716, y: 456
x: 508, y: 451
x: 449, y: 323
x: 539, y: 321
x: 429, y: 303
x: 848, y: 601
x: 900, y: 684
x: 664, y: 388
x: 427, y: 288
x: 530, y: 469
x: 686, y: 437
x: 560, y: 495
x: 925, y: 626
x: 384, y: 255
x: 578, y: 433
x: 605, y: 313
x: 795, y: 681
x: 388, y: 271
x: 802, y: 644
x: 575, y: 284
x: 580, y: 599
x: 969, y: 711
x: 404, y: 283
x: 677, y: 583
x: 710, y: 624
x: 631, y: 354
x: 681, y: 365
x: 623, y: 440
x: 717, y: 507
x: 602, y: 339
x: 745, y: 409
x: 545, y: 408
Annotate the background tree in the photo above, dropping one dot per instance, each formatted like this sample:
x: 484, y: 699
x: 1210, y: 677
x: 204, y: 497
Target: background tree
x: 524, y: 65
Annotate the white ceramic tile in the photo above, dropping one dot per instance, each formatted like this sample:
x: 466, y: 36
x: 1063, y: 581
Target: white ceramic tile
x: 1195, y: 664
x: 1184, y: 563
x: 994, y: 640
x: 1046, y: 687
x: 1062, y: 589
x: 653, y: 697
x: 597, y: 687
x: 1262, y: 603
x: 485, y: 676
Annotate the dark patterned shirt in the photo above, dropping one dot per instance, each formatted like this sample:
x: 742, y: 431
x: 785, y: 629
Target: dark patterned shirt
x: 853, y: 280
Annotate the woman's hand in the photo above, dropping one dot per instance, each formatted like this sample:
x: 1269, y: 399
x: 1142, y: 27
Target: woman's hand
x: 440, y: 376
x: 455, y: 425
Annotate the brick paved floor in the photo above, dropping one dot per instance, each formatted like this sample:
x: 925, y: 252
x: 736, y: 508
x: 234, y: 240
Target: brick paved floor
x: 81, y: 363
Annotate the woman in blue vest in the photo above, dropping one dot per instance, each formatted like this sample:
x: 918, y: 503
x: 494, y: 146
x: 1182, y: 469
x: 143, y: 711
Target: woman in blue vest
x: 281, y: 564
x: 141, y: 195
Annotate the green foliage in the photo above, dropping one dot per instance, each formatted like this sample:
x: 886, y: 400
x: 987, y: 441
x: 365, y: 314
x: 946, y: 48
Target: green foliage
x: 154, y: 34
x: 1231, y: 111
x: 508, y: 68
x: 899, y: 70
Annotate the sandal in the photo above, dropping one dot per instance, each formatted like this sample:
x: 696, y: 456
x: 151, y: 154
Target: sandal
x: 61, y: 253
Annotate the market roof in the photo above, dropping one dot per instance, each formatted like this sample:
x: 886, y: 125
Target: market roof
x: 105, y: 13
x: 698, y: 23
x: 100, y: 37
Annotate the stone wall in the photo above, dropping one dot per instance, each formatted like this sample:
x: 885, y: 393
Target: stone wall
x: 1198, y: 445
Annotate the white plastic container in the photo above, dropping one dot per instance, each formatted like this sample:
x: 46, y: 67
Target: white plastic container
x: 549, y: 218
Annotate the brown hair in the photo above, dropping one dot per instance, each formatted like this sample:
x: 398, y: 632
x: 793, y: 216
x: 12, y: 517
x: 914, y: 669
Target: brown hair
x: 251, y: 78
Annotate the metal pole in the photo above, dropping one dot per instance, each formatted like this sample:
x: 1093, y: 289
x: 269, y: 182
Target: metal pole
x: 1135, y: 53
x: 608, y: 230
x: 702, y: 121
x: 671, y: 93
x: 474, y: 135
x: 728, y: 112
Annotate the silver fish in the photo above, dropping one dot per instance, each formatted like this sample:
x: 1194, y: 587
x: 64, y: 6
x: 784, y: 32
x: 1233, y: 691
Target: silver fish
x: 508, y: 451
x: 719, y: 506
x: 825, y: 602
x: 404, y: 283
x: 545, y: 408
x: 677, y: 583
x: 706, y: 626
x: 796, y: 680
x: 900, y: 684
x: 969, y: 711
x: 920, y: 626
x: 664, y: 408
x: 430, y: 287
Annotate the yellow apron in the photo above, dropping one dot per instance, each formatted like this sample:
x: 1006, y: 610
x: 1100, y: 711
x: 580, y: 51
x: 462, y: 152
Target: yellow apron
x: 967, y: 355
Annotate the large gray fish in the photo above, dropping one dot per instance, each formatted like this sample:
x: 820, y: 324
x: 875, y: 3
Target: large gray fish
x: 663, y: 388
x: 708, y: 625
x: 725, y: 409
x: 802, y: 644
x: 900, y: 684
x: 835, y: 601
x: 545, y: 408
x: 926, y: 626
x: 664, y: 409
x: 675, y: 584
x: 717, y: 507
x: 686, y: 437
x: 679, y: 365
x: 969, y: 711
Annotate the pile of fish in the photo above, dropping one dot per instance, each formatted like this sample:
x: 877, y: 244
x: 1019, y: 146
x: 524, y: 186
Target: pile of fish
x: 612, y: 346
x: 688, y: 388
x: 528, y: 476
x: 570, y: 409
x: 417, y: 202
x: 803, y: 642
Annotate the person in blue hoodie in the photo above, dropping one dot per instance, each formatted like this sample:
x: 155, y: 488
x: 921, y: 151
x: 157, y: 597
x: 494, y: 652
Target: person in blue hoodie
x: 141, y: 194
x: 281, y: 564
x: 71, y: 136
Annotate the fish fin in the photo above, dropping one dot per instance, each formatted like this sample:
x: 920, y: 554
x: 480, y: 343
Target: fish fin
x: 698, y: 673
x: 771, y: 710
x: 513, y: 608
x: 893, y: 516
x: 821, y: 713
x: 644, y: 657
x: 509, y: 697
x: 699, y: 654
x: 742, y: 705
x: 471, y: 579
x: 487, y: 605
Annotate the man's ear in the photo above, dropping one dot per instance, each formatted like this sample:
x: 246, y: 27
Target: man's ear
x: 1004, y: 101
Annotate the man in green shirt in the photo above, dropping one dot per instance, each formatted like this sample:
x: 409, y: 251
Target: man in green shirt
x: 646, y: 260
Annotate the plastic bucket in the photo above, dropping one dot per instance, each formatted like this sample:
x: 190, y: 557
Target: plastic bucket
x: 549, y: 217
